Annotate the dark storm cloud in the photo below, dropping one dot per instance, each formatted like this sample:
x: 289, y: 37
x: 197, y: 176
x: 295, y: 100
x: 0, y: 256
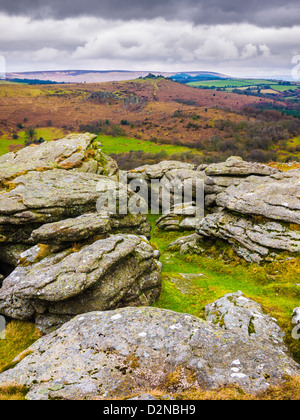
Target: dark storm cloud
x: 262, y: 13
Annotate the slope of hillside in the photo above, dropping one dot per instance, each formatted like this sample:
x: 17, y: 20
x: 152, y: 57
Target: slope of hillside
x: 216, y: 124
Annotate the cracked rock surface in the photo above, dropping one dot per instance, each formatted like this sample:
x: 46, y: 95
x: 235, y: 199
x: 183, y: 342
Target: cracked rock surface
x: 237, y: 313
x: 62, y: 251
x: 117, y: 271
x: 123, y: 352
x: 76, y: 150
x: 253, y: 240
x: 275, y: 197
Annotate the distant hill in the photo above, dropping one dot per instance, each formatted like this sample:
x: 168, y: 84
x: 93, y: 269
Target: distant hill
x: 94, y: 76
x: 199, y: 77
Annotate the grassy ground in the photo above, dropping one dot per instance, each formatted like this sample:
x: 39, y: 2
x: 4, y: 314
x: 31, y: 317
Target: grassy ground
x: 110, y: 144
x: 18, y: 337
x: 124, y: 144
x: 240, y: 83
x: 6, y: 82
x: 47, y: 133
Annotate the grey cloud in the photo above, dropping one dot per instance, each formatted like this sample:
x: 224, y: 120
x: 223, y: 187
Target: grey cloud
x: 262, y: 13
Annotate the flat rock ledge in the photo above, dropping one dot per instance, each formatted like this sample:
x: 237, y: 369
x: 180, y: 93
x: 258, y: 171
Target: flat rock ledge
x: 132, y: 351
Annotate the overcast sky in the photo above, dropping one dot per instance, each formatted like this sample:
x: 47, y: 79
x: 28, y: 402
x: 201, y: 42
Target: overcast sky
x: 240, y: 38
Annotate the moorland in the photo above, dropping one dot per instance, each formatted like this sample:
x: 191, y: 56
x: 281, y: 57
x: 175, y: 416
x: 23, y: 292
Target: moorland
x: 148, y: 119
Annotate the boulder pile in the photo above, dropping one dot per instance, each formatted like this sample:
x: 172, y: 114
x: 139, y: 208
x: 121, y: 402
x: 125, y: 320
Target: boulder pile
x: 253, y: 207
x: 59, y: 254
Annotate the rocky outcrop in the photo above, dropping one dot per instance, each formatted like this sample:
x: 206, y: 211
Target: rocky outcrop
x: 109, y: 273
x: 79, y: 151
x: 219, y: 176
x: 255, y: 240
x: 130, y: 101
x: 253, y: 207
x: 89, y: 225
x: 260, y: 217
x: 237, y: 313
x: 275, y: 197
x: 40, y: 198
x: 116, y: 354
x: 57, y: 233
x: 182, y: 183
x: 189, y: 244
x: 157, y: 171
x: 176, y: 180
x: 237, y: 167
x: 176, y: 177
x: 181, y: 217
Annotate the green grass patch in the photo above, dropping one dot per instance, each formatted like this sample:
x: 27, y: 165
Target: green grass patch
x: 243, y: 83
x: 283, y: 88
x: 233, y: 83
x: 47, y: 133
x: 7, y: 82
x: 120, y: 145
x: 5, y: 143
x: 19, y: 336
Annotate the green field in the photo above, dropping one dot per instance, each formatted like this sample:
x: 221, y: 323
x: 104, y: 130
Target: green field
x: 110, y: 144
x: 239, y: 83
x: 120, y: 145
x: 282, y: 88
x: 6, y: 82
x: 47, y: 133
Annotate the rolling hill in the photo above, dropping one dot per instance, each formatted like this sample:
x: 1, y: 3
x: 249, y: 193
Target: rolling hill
x: 211, y: 124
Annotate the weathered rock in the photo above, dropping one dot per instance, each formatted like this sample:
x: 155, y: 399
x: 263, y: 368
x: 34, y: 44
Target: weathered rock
x: 73, y: 151
x: 236, y: 166
x: 190, y: 244
x: 109, y: 273
x: 158, y: 170
x: 181, y: 217
x: 296, y: 315
x: 219, y: 176
x: 41, y: 197
x: 275, y: 197
x: 181, y: 199
x: 148, y: 397
x: 88, y: 225
x: 215, y: 185
x: 254, y: 240
x: 52, y: 196
x: 115, y: 354
x: 10, y: 254
x: 177, y: 182
x: 237, y: 313
x: 296, y: 323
